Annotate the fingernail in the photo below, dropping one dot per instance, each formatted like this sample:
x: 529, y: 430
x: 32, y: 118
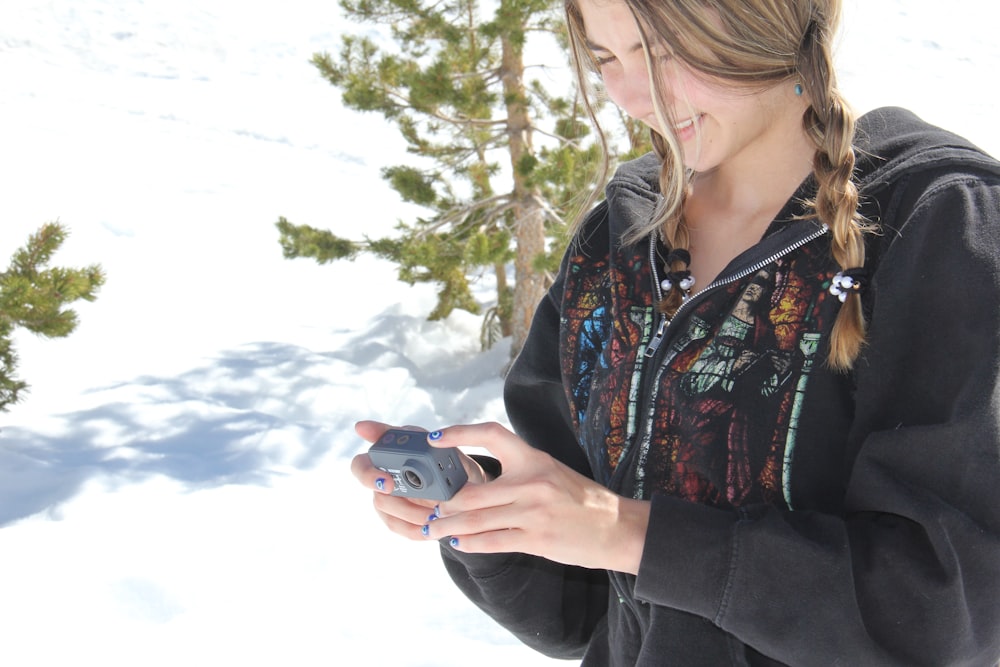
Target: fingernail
x: 432, y: 517
x: 437, y: 511
x: 425, y: 530
x: 380, y: 483
x: 435, y: 435
x: 453, y: 542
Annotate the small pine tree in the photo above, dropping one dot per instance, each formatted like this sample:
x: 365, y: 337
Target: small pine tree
x: 456, y: 88
x: 34, y: 297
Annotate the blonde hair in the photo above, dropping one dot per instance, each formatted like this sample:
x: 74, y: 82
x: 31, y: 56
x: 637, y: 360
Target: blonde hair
x: 756, y: 44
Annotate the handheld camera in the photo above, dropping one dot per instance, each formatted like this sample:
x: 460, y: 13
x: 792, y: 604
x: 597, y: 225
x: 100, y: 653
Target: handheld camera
x: 418, y: 470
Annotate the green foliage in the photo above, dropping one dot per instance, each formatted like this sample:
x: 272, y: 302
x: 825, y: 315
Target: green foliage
x: 412, y: 184
x: 319, y: 244
x: 454, y: 85
x: 34, y: 298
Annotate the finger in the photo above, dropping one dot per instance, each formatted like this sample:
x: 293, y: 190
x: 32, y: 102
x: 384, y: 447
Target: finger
x: 370, y: 476
x: 406, y: 527
x: 412, y: 511
x: 500, y: 442
x: 495, y: 542
x: 371, y: 430
x: 494, y: 518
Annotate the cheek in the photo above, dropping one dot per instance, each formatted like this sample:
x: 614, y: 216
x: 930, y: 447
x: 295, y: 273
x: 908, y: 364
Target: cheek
x: 614, y: 86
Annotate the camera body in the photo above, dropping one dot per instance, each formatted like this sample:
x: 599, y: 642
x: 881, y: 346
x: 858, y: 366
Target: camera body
x: 418, y: 470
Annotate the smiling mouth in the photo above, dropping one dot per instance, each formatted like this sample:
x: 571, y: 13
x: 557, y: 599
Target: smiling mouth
x: 685, y: 124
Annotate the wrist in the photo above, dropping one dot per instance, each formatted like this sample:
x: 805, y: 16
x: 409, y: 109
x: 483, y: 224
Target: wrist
x: 629, y: 536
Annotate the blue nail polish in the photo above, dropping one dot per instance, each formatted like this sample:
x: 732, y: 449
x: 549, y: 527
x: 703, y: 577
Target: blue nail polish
x: 437, y: 511
x: 432, y: 517
x: 380, y: 483
x: 425, y: 530
x: 436, y: 435
x: 453, y: 542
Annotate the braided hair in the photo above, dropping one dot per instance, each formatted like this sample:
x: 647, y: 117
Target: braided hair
x: 829, y: 122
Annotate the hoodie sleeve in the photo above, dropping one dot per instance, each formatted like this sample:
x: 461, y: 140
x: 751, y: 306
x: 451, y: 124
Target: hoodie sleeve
x: 551, y: 607
x: 909, y: 572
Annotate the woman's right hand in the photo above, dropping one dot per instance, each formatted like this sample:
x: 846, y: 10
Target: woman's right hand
x: 403, y: 516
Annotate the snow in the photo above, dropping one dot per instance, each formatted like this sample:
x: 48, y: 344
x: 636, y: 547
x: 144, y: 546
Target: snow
x: 175, y: 489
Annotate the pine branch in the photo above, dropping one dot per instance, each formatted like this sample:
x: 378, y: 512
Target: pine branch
x: 34, y: 297
x: 454, y: 85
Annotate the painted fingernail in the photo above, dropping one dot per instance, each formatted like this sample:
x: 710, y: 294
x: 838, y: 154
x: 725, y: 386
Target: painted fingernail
x: 435, y: 435
x: 437, y: 511
x: 453, y: 542
x: 380, y: 483
x: 425, y: 530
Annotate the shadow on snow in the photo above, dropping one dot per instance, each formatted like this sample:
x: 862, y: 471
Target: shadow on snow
x: 258, y: 412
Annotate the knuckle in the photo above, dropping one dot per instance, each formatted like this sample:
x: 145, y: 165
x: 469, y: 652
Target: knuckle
x: 494, y: 429
x: 473, y: 522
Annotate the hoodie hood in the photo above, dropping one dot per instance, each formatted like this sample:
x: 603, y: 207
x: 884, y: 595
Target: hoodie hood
x: 892, y: 141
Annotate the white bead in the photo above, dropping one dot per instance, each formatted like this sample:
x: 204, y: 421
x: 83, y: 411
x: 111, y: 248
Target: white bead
x: 667, y: 285
x: 687, y: 283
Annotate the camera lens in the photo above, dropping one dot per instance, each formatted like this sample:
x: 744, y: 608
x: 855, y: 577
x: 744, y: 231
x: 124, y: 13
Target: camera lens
x: 413, y: 479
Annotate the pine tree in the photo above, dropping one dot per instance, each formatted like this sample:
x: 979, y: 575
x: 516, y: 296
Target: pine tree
x: 456, y: 87
x: 34, y: 297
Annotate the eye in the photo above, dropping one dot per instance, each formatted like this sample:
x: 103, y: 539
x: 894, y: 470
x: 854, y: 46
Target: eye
x: 603, y: 60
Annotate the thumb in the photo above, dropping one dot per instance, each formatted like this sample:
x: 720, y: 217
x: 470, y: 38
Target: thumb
x: 370, y: 430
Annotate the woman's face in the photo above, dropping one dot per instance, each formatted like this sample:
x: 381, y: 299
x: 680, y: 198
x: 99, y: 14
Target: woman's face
x: 714, y: 122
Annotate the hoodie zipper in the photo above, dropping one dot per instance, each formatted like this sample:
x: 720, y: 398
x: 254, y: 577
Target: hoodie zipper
x: 646, y: 396
x: 661, y: 329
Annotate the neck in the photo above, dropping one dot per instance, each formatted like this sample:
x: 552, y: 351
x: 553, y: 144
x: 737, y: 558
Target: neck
x: 754, y: 184
x: 729, y: 208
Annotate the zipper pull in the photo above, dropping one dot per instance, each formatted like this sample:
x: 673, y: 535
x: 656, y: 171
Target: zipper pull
x: 658, y: 338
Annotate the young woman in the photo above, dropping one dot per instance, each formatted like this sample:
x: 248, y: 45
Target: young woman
x: 758, y: 415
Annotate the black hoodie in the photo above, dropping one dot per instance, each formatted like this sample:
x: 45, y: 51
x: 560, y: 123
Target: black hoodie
x: 799, y: 516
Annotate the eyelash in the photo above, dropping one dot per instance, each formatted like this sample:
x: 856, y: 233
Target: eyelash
x: 607, y: 60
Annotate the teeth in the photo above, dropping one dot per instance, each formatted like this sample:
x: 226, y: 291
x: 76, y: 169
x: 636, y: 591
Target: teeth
x: 685, y: 124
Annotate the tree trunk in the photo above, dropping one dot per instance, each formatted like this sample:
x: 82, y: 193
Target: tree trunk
x: 528, y: 214
x: 500, y: 270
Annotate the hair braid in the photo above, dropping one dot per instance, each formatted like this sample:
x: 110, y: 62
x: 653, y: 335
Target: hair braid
x: 829, y: 121
x: 673, y: 227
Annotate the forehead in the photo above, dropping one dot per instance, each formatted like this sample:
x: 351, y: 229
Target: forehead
x: 609, y: 25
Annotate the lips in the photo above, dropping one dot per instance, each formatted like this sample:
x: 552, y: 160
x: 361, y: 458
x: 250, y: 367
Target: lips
x: 686, y: 128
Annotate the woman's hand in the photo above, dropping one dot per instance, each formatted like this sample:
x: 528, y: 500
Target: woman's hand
x: 404, y: 516
x: 537, y: 506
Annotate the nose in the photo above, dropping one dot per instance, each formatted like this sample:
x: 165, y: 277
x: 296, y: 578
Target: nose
x: 629, y: 88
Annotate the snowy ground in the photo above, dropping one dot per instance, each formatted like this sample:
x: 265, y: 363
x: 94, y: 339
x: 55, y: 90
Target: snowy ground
x: 175, y: 489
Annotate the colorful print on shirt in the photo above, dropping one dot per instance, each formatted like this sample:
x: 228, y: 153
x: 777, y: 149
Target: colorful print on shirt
x: 725, y: 404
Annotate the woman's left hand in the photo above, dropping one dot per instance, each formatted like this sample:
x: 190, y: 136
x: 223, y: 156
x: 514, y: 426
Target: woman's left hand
x: 539, y: 506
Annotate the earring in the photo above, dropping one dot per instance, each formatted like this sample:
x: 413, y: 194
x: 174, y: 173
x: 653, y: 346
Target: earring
x: 798, y: 90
